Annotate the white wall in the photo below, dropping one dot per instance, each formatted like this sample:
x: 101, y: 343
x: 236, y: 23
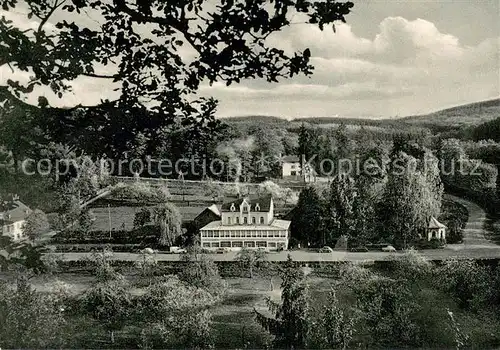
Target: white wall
x: 287, y: 169
x: 14, y: 230
x: 242, y: 212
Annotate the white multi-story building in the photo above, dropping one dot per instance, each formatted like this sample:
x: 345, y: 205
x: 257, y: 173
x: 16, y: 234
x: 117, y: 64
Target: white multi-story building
x: 12, y: 219
x: 247, y: 223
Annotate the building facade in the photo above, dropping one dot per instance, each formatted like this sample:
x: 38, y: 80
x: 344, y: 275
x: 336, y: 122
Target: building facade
x: 290, y: 167
x: 246, y: 223
x: 12, y: 219
x: 291, y: 170
x: 436, y: 230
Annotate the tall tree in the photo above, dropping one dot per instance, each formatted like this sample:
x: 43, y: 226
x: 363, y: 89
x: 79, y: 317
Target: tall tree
x: 36, y: 224
x: 306, y: 226
x: 339, y: 212
x: 336, y: 326
x: 410, y: 200
x: 291, y: 323
x: 169, y: 220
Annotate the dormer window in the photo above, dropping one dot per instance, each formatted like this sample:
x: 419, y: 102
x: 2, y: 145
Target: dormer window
x: 257, y: 207
x: 233, y: 208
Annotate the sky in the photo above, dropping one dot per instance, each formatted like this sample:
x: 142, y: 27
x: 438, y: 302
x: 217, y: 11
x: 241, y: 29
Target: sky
x: 391, y: 59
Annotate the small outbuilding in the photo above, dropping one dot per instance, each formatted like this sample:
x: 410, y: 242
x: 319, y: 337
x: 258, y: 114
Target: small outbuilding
x: 436, y: 230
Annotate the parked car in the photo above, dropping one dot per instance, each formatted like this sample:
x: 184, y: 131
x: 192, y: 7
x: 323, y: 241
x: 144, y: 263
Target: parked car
x: 388, y: 248
x: 222, y: 250
x: 326, y: 249
x: 177, y: 250
x: 359, y: 249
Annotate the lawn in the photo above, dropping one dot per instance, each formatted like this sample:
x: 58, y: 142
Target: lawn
x: 122, y: 217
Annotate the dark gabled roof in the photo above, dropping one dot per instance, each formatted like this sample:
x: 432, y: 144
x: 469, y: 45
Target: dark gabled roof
x: 212, y: 210
x: 16, y: 211
x: 264, y: 203
x: 290, y: 159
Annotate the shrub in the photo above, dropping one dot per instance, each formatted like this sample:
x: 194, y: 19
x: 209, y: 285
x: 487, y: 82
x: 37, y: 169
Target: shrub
x: 468, y: 282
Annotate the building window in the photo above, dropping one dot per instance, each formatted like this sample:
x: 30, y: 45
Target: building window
x: 254, y: 233
x: 276, y: 233
x: 254, y: 220
x: 229, y: 220
x: 261, y: 220
x: 237, y: 220
x: 293, y: 166
x: 245, y: 220
x: 283, y: 233
x: 203, y: 234
x: 210, y: 234
x: 271, y: 244
x: 215, y: 244
x: 293, y: 173
x: 262, y: 244
x: 228, y: 234
x: 259, y: 233
x: 206, y: 245
x: 225, y: 244
x: 233, y: 234
x: 250, y: 244
x: 216, y: 234
x: 237, y: 244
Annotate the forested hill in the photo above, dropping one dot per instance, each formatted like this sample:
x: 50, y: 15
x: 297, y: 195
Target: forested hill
x: 460, y: 116
x: 469, y: 115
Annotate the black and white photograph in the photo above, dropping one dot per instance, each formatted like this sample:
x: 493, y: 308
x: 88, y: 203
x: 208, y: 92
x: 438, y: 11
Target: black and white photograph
x: 249, y: 174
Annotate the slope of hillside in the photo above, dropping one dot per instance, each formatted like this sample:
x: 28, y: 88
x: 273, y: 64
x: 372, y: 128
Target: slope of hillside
x: 460, y: 116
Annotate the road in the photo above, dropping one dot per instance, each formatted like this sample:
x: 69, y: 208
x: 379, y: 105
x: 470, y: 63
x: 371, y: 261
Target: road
x: 313, y: 257
x: 474, y: 231
x: 475, y: 246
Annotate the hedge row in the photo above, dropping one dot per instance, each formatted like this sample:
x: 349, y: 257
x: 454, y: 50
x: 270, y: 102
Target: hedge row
x: 487, y: 199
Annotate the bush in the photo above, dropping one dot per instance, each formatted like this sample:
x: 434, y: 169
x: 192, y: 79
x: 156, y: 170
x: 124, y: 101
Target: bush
x: 468, y: 282
x: 432, y: 244
x: 140, y: 192
x: 454, y: 216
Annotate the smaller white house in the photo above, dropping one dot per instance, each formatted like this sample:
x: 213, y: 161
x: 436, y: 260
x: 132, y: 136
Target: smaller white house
x: 290, y: 166
x: 291, y: 169
x: 436, y: 230
x: 12, y: 219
